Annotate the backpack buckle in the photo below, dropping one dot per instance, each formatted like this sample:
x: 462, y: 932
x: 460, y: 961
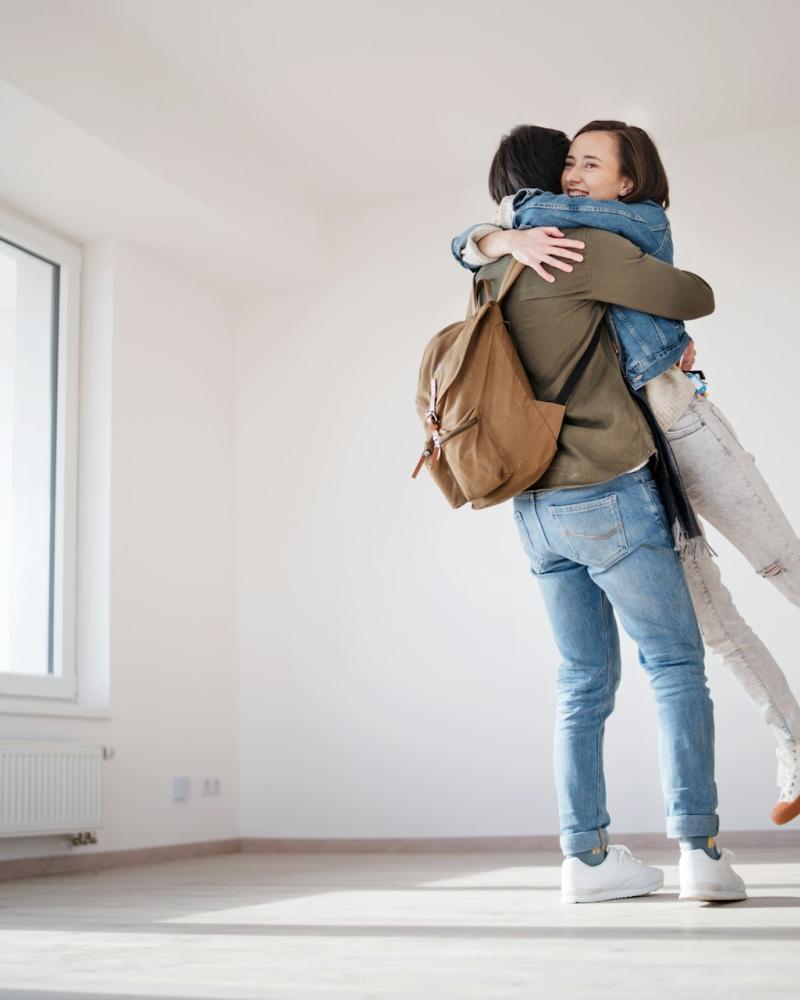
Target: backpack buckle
x: 431, y: 416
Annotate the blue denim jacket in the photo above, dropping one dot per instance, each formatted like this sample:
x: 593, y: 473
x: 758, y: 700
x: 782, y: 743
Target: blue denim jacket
x: 649, y: 344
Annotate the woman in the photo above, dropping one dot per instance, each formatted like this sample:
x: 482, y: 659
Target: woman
x: 613, y: 179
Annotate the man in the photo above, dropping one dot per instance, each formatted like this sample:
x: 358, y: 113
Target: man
x: 597, y: 539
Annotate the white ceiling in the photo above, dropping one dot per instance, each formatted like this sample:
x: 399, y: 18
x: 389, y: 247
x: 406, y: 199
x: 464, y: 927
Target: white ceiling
x: 268, y: 117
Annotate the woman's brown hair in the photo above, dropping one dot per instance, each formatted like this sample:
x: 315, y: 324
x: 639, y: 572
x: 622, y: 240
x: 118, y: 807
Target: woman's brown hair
x: 639, y: 161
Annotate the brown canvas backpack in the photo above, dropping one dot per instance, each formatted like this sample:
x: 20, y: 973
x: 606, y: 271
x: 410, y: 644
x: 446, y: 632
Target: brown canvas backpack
x: 489, y: 437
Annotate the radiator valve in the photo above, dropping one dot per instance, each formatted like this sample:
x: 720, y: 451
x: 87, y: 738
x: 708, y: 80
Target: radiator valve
x: 80, y: 839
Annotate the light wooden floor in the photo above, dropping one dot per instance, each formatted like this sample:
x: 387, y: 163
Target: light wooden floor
x: 374, y: 926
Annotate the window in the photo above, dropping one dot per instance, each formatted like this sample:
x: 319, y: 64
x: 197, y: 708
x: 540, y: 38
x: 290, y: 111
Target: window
x: 39, y: 282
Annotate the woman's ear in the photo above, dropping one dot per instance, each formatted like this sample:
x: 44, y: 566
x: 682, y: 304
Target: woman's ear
x: 626, y: 187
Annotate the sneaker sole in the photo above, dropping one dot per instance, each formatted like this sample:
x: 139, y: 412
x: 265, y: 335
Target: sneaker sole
x: 611, y: 894
x: 711, y: 894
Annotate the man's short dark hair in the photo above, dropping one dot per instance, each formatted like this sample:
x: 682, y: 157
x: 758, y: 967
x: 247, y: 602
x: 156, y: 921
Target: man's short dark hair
x: 528, y: 157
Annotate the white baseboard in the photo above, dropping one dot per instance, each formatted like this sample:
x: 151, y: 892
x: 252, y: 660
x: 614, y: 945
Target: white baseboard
x: 99, y: 860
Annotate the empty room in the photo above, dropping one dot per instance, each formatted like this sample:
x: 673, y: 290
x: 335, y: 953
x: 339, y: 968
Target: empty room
x: 399, y: 577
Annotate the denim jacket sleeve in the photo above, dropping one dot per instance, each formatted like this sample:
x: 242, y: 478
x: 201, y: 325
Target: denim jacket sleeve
x: 459, y: 244
x: 644, y: 223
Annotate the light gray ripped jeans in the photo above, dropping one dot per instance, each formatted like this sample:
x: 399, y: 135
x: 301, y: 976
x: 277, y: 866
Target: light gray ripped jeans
x: 728, y: 491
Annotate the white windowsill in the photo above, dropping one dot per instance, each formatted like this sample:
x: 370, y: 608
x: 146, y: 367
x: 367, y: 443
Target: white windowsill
x: 26, y: 706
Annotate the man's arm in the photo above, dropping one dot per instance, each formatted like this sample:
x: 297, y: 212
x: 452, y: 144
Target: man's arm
x: 622, y: 275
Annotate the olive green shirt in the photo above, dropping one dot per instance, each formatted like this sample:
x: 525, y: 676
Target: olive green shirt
x: 604, y: 433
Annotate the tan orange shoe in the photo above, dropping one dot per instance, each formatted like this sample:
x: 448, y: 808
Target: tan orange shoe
x: 788, y: 807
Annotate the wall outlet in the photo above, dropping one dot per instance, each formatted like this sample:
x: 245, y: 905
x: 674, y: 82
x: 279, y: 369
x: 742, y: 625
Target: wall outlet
x: 210, y: 787
x: 181, y: 789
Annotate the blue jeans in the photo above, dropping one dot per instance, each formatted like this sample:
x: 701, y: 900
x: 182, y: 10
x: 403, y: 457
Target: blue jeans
x: 596, y: 550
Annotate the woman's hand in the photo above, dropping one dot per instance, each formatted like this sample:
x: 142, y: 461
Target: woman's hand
x: 686, y: 364
x: 544, y: 245
x: 534, y: 247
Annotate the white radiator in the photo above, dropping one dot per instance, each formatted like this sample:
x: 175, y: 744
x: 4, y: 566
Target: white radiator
x: 49, y: 786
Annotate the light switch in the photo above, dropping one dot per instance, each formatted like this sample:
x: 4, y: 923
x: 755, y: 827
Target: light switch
x: 181, y: 789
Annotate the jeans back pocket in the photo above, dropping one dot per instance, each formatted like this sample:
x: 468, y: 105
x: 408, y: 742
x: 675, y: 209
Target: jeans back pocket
x: 592, y: 531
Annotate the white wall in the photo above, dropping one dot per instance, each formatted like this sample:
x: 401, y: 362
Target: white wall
x: 156, y: 574
x: 396, y: 666
x: 390, y: 684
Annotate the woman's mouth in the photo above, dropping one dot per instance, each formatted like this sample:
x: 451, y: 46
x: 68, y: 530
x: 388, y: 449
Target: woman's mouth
x: 575, y: 193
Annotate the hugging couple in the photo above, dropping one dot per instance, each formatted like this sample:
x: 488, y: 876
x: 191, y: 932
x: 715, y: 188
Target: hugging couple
x: 610, y: 528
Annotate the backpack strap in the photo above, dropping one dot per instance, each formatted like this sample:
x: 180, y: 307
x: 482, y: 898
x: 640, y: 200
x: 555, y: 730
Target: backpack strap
x: 512, y: 272
x: 476, y: 291
x: 579, y: 368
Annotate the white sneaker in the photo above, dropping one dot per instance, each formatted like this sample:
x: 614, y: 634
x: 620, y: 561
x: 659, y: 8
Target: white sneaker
x: 788, y: 807
x: 708, y: 880
x: 620, y: 876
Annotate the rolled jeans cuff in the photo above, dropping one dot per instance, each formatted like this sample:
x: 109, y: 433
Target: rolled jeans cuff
x: 577, y: 843
x: 692, y: 826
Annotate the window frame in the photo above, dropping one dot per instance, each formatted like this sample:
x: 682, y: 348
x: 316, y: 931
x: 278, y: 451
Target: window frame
x: 62, y: 684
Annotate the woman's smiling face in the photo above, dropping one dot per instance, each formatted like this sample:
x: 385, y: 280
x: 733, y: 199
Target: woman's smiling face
x: 592, y: 168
